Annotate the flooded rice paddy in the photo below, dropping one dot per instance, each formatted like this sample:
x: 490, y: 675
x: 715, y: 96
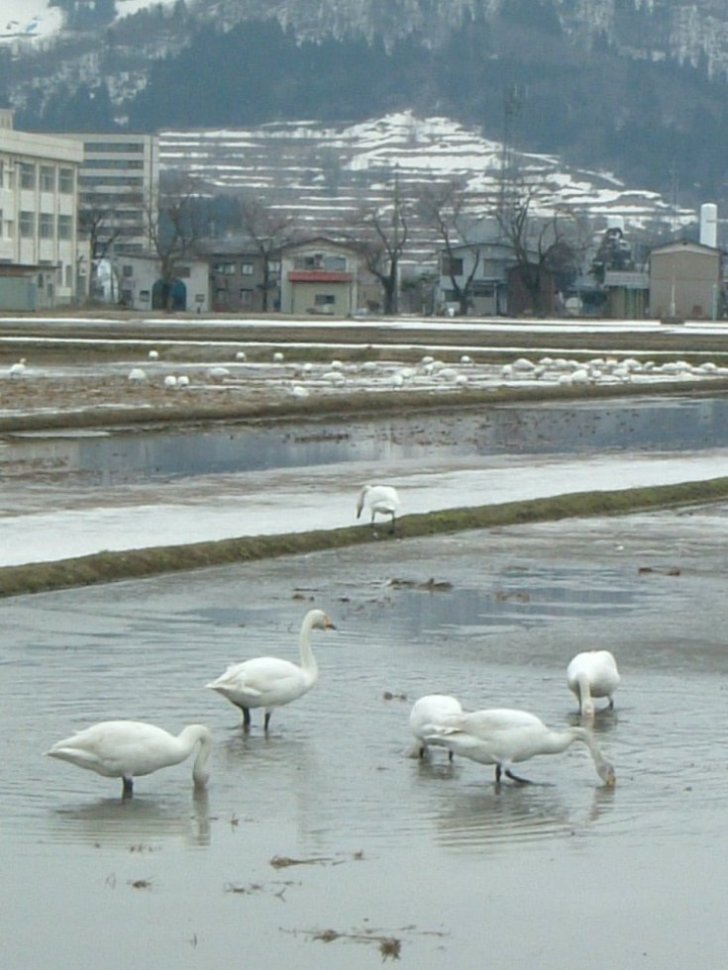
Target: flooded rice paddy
x: 98, y: 458
x: 323, y: 845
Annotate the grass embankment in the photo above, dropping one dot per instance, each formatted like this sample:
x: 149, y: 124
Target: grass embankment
x: 106, y: 567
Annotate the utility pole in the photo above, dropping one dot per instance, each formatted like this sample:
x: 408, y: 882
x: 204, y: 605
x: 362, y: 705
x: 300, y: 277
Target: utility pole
x: 512, y: 104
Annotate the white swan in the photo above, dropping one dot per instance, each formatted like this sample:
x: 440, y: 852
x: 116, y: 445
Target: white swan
x: 592, y: 674
x: 379, y: 500
x: 503, y: 737
x: 17, y: 369
x: 428, y: 713
x: 125, y: 749
x: 269, y: 682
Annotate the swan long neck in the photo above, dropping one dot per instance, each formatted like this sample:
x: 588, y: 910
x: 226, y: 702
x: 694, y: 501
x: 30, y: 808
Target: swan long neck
x: 604, y: 769
x: 586, y: 704
x: 189, y: 737
x: 557, y: 741
x: 308, y: 661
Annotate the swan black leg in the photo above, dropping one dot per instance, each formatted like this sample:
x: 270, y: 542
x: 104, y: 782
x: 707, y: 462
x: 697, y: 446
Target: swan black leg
x: 521, y: 781
x: 266, y: 720
x: 246, y: 718
x: 127, y: 787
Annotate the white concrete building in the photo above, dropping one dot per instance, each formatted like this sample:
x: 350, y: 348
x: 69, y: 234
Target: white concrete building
x: 43, y: 263
x: 119, y: 189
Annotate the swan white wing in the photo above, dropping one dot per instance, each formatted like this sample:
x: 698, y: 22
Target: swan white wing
x: 113, y: 748
x: 264, y: 682
x: 430, y: 711
x: 495, y: 720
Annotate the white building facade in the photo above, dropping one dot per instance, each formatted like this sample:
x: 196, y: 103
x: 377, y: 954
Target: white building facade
x: 119, y: 190
x: 43, y: 263
x: 141, y: 286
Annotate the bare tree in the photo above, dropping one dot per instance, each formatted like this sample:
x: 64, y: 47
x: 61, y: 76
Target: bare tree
x: 179, y: 221
x: 443, y: 207
x: 269, y: 230
x: 96, y: 224
x: 541, y: 246
x: 381, y: 235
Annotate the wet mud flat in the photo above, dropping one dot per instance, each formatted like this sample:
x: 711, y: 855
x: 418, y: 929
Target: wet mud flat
x: 323, y: 845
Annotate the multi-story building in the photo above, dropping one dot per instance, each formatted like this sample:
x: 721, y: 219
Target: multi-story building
x: 119, y: 186
x: 320, y: 276
x: 238, y: 281
x: 43, y: 263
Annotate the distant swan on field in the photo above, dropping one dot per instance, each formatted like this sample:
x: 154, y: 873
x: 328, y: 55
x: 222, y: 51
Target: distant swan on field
x: 270, y: 682
x: 126, y: 749
x: 379, y: 500
x: 18, y: 369
x: 592, y: 674
x: 504, y: 737
x: 428, y: 713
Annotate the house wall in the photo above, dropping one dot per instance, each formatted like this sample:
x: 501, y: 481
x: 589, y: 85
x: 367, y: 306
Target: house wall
x: 488, y: 291
x: 684, y: 283
x: 17, y: 294
x: 328, y: 298
x: 236, y: 283
x: 139, y: 275
x: 38, y: 210
x: 338, y: 298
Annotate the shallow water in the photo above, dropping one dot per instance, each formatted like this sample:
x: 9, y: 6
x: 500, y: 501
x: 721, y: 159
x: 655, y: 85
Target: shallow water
x: 462, y: 873
x: 135, y: 457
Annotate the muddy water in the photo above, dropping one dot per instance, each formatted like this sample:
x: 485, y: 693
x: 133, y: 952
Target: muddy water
x: 575, y: 428
x: 556, y: 875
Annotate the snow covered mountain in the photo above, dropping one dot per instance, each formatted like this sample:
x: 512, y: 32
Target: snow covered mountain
x: 324, y: 175
x: 631, y: 86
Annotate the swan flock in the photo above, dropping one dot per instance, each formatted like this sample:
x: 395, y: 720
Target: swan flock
x: 502, y: 737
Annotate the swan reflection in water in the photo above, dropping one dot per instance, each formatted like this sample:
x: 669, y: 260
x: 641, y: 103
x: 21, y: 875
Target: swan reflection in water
x: 509, y: 815
x: 140, y: 821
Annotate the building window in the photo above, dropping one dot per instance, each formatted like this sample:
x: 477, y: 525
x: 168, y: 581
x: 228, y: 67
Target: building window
x: 65, y: 227
x: 68, y: 275
x: 111, y: 180
x: 246, y: 299
x: 274, y: 265
x: 106, y: 147
x: 127, y: 270
x: 27, y: 175
x: 47, y: 178
x: 324, y: 299
x: 246, y: 269
x: 121, y: 163
x: 66, y: 181
x: 45, y: 225
x: 224, y: 269
x: 452, y: 266
x: 184, y: 272
x: 27, y: 225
